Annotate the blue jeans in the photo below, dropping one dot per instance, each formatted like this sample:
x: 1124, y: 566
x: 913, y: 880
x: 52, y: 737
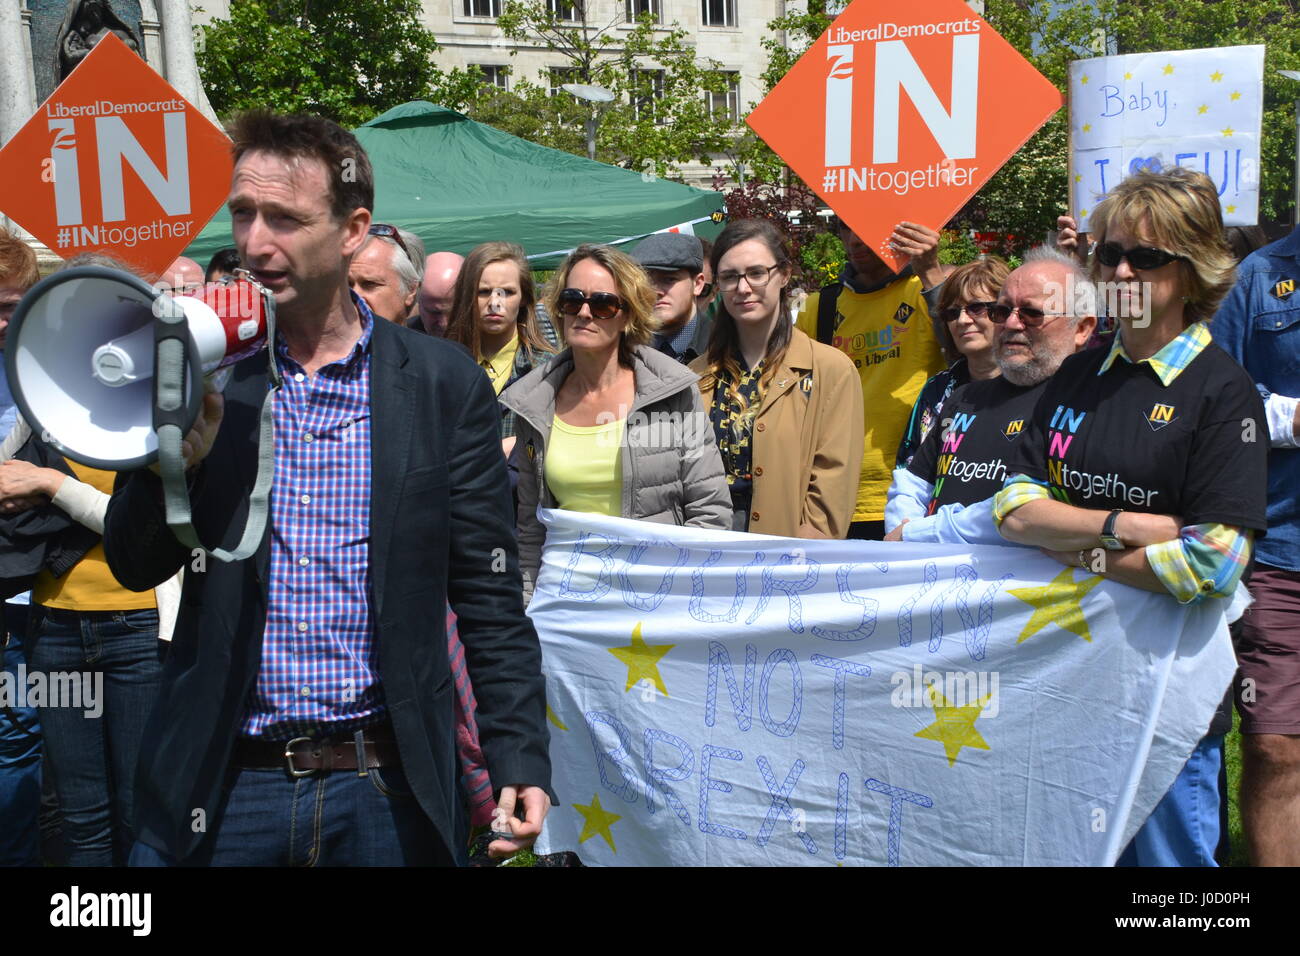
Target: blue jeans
x: 93, y: 748
x: 20, y: 758
x: 268, y: 818
x: 1183, y: 829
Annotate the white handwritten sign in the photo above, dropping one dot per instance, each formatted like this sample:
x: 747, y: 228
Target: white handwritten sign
x: 726, y: 699
x: 1195, y: 108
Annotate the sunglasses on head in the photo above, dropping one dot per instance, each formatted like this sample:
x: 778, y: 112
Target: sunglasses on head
x: 1109, y: 254
x: 384, y: 231
x: 603, y: 305
x: 1031, y: 318
x: 976, y: 310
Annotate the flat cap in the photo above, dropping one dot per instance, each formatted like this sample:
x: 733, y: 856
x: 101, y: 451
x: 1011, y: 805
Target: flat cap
x: 669, y: 251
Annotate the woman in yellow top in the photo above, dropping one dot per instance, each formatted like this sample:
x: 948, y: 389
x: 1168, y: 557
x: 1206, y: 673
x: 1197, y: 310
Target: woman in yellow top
x: 610, y: 426
x: 493, y: 315
x: 786, y: 411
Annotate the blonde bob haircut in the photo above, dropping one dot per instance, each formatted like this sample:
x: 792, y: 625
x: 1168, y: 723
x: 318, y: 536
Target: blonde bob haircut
x: 632, y: 285
x: 1177, y: 210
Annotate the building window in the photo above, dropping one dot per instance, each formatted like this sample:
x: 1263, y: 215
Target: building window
x: 650, y: 89
x: 570, y: 10
x: 559, y: 75
x: 719, y: 13
x: 482, y: 8
x: 725, y: 106
x: 635, y: 9
x: 494, y: 75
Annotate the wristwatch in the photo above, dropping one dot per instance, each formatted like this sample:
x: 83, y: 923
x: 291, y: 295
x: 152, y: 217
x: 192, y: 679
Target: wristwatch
x: 1109, y: 540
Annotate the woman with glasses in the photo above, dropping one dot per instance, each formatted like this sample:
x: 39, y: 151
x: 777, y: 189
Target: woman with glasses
x: 786, y: 411
x: 964, y: 301
x: 1146, y: 452
x: 610, y: 426
x: 493, y: 315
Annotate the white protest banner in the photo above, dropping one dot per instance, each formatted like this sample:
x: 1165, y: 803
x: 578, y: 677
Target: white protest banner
x: 727, y: 699
x: 1196, y: 108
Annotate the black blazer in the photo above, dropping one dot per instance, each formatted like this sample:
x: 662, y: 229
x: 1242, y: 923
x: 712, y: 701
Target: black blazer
x: 441, y: 530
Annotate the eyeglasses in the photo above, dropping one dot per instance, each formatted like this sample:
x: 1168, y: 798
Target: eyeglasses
x: 976, y: 310
x: 706, y: 292
x: 603, y: 305
x: 1031, y: 317
x: 384, y: 231
x: 756, y: 276
x: 1109, y: 254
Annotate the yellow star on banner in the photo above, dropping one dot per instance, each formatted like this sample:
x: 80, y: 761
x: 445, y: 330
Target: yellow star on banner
x: 1216, y: 77
x: 1230, y: 209
x: 1078, y: 177
x: 1128, y: 76
x: 642, y: 660
x: 1087, y: 127
x: 1202, y: 110
x: 1168, y: 70
x: 596, y: 820
x: 1083, y: 214
x: 1057, y: 603
x: 1228, y: 131
x: 954, y: 727
x: 554, y: 718
x: 1084, y: 79
x: 1235, y: 95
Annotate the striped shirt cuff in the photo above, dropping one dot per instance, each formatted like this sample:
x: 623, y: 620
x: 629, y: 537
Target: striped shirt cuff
x: 1018, y: 490
x: 1205, y: 560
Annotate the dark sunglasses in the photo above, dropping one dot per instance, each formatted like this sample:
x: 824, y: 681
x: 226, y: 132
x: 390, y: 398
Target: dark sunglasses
x: 974, y: 309
x: 385, y: 231
x: 1031, y: 317
x: 603, y: 305
x: 1109, y: 254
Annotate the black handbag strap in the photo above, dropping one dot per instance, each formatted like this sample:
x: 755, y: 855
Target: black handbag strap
x: 830, y: 295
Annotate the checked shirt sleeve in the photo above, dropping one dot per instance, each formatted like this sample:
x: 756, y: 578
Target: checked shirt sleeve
x: 1205, y: 560
x: 1018, y: 490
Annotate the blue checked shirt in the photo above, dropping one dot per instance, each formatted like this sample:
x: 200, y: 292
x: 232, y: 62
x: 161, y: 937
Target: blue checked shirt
x: 319, y: 659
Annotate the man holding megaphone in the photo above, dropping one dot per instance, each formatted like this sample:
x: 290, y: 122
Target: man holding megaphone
x: 315, y: 673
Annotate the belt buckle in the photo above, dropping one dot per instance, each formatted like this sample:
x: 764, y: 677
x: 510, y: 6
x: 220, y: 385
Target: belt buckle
x: 288, y: 757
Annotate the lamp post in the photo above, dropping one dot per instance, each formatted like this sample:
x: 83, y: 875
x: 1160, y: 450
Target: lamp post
x: 598, y: 97
x: 1295, y: 211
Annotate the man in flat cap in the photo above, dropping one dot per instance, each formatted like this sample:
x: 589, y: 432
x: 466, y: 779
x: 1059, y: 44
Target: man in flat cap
x: 675, y: 264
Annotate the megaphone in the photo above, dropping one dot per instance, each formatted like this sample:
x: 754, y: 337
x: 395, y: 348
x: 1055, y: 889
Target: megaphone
x: 82, y: 348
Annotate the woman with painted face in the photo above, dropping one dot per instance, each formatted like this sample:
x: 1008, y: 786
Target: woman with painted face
x: 611, y: 426
x: 786, y: 411
x: 493, y: 315
x: 1140, y: 461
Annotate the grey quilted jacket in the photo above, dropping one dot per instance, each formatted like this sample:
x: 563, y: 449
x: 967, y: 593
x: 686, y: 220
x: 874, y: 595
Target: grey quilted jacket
x: 671, y: 469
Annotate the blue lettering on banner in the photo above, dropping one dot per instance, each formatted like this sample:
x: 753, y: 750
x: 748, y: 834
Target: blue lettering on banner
x: 1139, y: 102
x: 606, y: 566
x: 1101, y: 171
x: 740, y: 706
x: 787, y: 727
x: 696, y: 607
x: 963, y: 578
x: 867, y: 626
x: 977, y: 638
x: 780, y: 803
x: 790, y: 589
x: 897, y: 797
x: 630, y: 595
x: 837, y: 709
x: 628, y: 790
x: 660, y: 777
x: 842, y: 817
x: 707, y: 783
x: 930, y: 575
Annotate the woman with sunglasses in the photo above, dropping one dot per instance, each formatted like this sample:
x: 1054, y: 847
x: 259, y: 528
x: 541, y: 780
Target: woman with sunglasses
x: 493, y: 315
x: 786, y: 411
x: 610, y: 426
x: 964, y: 301
x: 1142, y: 453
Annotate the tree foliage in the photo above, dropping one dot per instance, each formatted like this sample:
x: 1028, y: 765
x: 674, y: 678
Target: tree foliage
x: 348, y: 61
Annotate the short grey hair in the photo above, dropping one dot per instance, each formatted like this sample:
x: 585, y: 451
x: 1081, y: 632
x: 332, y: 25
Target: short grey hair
x: 1079, y: 284
x: 415, y: 250
x: 400, y: 262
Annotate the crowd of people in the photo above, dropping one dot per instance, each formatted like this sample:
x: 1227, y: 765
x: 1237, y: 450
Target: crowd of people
x: 363, y: 690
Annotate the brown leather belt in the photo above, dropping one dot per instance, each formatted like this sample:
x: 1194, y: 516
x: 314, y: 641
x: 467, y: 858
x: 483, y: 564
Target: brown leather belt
x: 303, y: 756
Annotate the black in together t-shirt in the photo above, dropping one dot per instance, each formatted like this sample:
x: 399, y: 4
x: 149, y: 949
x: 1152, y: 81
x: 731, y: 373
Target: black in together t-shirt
x: 966, y: 458
x: 1196, y: 448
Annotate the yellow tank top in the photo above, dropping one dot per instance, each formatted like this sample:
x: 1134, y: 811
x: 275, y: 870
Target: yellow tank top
x: 90, y: 585
x: 584, y: 468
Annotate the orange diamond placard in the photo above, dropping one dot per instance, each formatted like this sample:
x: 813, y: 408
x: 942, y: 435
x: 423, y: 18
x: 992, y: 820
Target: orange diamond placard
x: 116, y: 161
x: 902, y: 112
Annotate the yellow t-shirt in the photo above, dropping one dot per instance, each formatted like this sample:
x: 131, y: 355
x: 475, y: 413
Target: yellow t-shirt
x: 888, y: 335
x: 90, y: 585
x: 584, y: 468
x: 498, y: 366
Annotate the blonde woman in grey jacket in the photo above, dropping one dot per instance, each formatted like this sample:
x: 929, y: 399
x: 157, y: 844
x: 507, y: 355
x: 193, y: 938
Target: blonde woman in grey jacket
x: 610, y: 426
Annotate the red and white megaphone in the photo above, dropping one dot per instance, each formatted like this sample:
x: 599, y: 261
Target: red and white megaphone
x: 82, y: 348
